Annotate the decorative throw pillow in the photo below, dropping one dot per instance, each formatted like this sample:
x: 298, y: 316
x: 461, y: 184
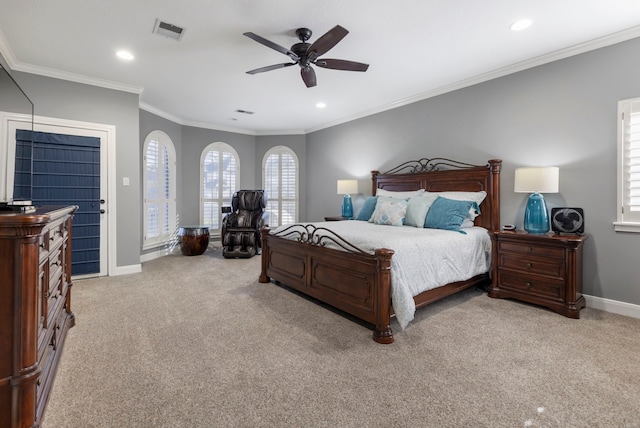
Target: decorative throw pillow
x: 399, y: 195
x: 417, y: 209
x: 389, y: 211
x: 367, y: 209
x: 476, y: 197
x: 448, y: 214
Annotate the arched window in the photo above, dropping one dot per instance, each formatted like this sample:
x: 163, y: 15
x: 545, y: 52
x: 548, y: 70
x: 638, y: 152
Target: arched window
x: 280, y: 181
x: 219, y: 179
x: 159, y: 187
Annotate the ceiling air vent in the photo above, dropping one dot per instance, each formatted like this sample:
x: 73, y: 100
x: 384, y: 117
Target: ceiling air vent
x: 168, y: 30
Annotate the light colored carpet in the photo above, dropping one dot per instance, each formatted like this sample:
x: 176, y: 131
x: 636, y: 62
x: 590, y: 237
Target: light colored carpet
x: 198, y: 342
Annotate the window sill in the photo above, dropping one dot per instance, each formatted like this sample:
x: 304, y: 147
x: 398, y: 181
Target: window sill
x: 620, y: 226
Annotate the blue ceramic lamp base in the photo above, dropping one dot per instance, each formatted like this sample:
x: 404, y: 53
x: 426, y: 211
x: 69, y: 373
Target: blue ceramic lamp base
x: 347, y: 206
x: 536, y: 216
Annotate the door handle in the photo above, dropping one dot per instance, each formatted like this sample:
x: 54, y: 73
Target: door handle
x: 102, y: 211
x: 102, y: 201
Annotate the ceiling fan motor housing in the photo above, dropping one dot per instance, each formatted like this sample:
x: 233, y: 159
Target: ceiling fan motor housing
x: 300, y: 49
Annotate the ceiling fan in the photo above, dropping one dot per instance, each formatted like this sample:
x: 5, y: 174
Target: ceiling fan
x: 305, y: 54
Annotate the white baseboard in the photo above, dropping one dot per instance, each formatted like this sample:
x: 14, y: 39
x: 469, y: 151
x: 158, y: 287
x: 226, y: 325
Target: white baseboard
x: 126, y: 270
x: 613, y: 306
x: 157, y: 254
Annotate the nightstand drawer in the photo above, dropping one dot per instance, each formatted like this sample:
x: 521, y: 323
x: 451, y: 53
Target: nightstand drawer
x: 536, y: 265
x: 549, y: 288
x: 525, y: 248
x: 542, y: 269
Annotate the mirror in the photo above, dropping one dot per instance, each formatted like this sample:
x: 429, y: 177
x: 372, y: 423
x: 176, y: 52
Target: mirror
x: 16, y: 114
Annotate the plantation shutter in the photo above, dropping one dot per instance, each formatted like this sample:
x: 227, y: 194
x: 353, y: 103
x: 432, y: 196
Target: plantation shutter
x: 272, y: 189
x: 153, y: 192
x: 160, y: 218
x: 280, y: 174
x: 631, y: 162
x: 220, y: 172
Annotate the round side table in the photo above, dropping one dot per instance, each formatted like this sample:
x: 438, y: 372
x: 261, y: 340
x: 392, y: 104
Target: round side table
x: 194, y: 240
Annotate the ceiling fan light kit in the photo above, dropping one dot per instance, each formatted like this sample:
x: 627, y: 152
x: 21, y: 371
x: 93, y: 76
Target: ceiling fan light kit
x: 307, y: 54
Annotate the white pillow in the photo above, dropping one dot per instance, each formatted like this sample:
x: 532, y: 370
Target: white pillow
x: 389, y: 211
x: 400, y: 195
x: 476, y: 197
x: 417, y: 209
x: 467, y: 223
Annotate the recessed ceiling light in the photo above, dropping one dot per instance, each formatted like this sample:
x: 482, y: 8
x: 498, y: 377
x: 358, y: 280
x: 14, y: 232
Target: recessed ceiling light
x: 126, y: 55
x: 321, y: 105
x: 520, y: 25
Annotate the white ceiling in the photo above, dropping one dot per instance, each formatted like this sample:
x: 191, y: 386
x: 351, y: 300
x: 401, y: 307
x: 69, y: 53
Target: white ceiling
x: 415, y: 48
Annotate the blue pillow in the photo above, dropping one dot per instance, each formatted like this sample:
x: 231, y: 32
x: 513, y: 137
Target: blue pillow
x: 367, y: 208
x: 448, y: 214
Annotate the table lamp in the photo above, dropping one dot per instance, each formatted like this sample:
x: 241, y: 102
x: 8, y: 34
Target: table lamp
x: 536, y: 181
x: 346, y: 187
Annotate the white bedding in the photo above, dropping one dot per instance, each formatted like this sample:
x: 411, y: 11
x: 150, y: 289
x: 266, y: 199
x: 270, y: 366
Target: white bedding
x: 423, y: 258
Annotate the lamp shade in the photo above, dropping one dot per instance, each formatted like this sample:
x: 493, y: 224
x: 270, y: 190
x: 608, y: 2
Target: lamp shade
x: 537, y: 180
x: 347, y: 187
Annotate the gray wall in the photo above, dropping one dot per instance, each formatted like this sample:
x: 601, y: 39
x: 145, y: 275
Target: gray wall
x: 74, y: 101
x: 559, y: 114
x: 562, y: 114
x: 191, y: 141
x: 194, y: 142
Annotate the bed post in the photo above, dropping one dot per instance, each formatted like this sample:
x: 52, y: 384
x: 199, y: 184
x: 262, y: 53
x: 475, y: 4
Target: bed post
x: 264, y: 232
x: 382, y: 332
x: 374, y: 182
x: 495, y: 165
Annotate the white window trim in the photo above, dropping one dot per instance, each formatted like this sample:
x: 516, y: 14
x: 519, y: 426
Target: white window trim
x: 280, y: 150
x: 629, y: 222
x: 221, y: 147
x: 164, y: 141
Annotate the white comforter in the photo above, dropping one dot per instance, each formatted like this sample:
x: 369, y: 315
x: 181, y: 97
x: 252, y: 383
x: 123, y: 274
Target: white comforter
x: 423, y: 258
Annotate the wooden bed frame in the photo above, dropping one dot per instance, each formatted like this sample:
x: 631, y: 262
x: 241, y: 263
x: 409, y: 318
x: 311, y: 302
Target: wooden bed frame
x: 358, y: 282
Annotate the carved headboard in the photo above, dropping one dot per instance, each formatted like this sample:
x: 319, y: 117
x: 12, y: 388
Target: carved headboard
x: 439, y: 175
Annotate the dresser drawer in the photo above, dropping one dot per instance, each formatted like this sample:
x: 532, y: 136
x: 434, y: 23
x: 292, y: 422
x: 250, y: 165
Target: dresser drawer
x: 530, y: 249
x: 536, y: 265
x: 549, y: 288
x: 55, y: 269
x: 57, y: 233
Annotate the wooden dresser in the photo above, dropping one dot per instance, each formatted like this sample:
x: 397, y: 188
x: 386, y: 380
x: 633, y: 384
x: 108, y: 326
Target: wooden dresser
x: 542, y: 269
x: 35, y: 309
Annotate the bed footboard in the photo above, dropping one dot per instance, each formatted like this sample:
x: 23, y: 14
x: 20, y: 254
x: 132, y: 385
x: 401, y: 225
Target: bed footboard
x: 347, y: 278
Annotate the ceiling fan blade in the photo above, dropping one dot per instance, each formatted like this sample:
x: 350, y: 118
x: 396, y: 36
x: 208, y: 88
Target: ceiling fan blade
x: 327, y: 41
x: 309, y: 76
x: 270, y: 67
x: 271, y: 45
x: 341, y: 64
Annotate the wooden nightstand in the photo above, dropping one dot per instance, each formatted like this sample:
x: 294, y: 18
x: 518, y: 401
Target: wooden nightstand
x: 335, y: 218
x: 542, y: 269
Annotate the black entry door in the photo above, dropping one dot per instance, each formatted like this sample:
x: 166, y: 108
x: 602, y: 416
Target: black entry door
x: 66, y: 171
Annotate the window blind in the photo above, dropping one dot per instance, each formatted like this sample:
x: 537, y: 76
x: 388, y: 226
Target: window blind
x: 280, y: 181
x: 631, y: 154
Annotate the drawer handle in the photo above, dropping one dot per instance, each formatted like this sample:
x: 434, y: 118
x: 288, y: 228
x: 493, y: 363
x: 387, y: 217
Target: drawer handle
x: 528, y: 285
x: 39, y: 382
x: 529, y: 265
x: 529, y: 249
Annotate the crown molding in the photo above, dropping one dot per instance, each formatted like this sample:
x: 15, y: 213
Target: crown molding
x: 621, y: 36
x: 591, y: 45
